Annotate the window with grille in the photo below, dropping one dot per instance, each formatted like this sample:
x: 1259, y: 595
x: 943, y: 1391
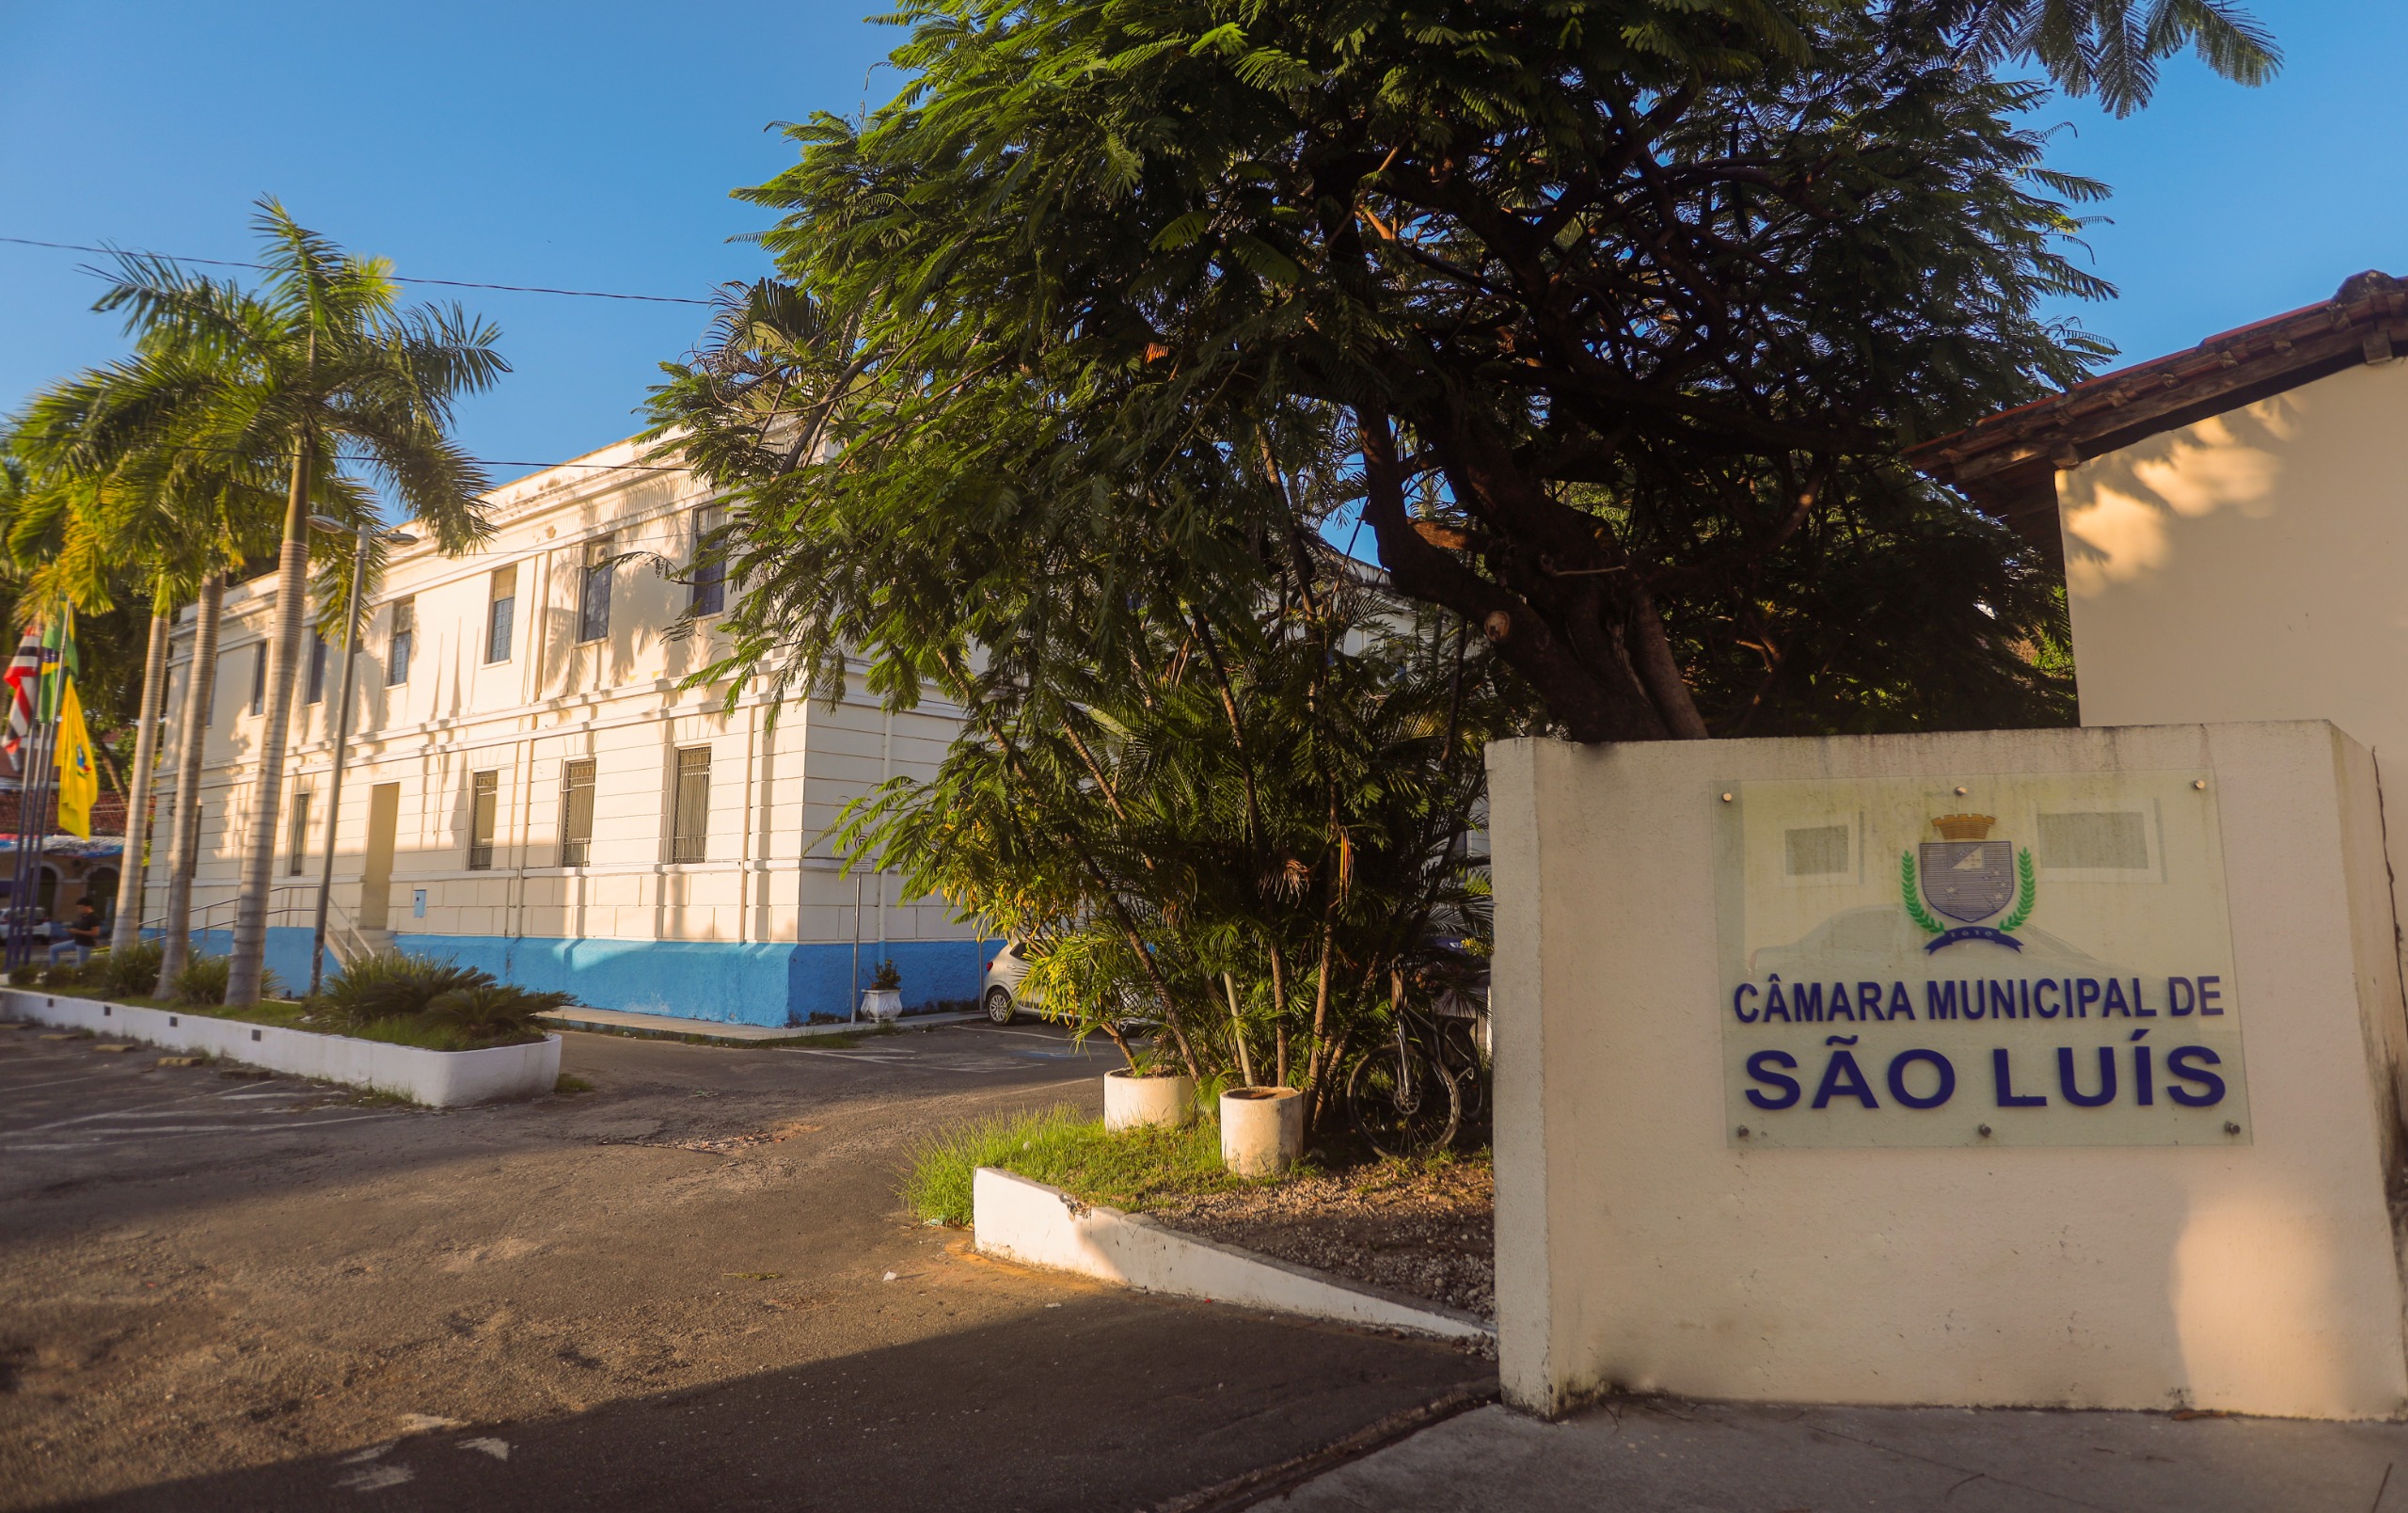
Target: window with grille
x: 501, y: 609
x: 689, y: 826
x: 593, y: 593
x: 709, y: 572
x: 297, y: 847
x: 316, y: 693
x: 484, y: 802
x: 258, y: 678
x: 576, y: 811
x: 397, y: 663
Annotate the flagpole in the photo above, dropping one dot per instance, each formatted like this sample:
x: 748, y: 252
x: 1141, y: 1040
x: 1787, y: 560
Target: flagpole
x: 34, y: 792
x: 22, y: 875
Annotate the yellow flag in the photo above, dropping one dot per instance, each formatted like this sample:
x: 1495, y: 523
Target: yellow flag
x: 79, y: 780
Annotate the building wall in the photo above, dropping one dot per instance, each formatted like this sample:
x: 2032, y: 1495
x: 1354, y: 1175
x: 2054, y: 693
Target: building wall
x: 2253, y: 566
x: 763, y: 930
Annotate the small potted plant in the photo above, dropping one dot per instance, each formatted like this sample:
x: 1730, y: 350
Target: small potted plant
x: 883, y: 1000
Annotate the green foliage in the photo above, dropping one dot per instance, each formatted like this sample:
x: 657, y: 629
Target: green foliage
x: 23, y: 977
x: 887, y: 977
x: 1133, y: 1168
x: 202, y: 981
x: 492, y: 1011
x: 394, y: 984
x: 425, y: 1033
x: 1626, y: 307
x: 1282, y: 802
x: 130, y: 973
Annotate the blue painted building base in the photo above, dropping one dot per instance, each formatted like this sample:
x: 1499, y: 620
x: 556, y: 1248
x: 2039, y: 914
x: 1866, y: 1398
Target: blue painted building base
x: 730, y: 984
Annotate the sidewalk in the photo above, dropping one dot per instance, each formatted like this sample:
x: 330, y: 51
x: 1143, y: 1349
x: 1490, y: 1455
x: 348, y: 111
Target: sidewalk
x: 1665, y: 1456
x: 625, y: 1022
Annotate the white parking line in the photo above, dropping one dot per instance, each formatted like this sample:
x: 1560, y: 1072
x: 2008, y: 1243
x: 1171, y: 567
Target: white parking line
x: 28, y: 1087
x: 278, y: 1126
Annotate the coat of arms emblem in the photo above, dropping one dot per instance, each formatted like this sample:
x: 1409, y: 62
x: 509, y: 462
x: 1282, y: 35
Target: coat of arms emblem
x: 1968, y: 877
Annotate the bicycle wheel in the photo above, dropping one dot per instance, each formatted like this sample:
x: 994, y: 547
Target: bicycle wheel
x: 1401, y: 1102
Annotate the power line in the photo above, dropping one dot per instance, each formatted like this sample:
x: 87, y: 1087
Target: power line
x: 448, y: 283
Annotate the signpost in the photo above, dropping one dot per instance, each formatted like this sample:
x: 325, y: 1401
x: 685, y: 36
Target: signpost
x: 2000, y: 960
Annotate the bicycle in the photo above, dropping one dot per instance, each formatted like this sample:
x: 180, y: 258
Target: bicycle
x: 1412, y: 1096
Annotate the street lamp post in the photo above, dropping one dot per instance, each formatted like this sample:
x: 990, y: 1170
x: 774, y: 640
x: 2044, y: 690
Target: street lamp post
x: 360, y: 535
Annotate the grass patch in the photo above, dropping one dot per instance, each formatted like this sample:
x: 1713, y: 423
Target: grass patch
x: 569, y: 1087
x: 1133, y: 1168
x: 284, y: 1013
x: 413, y: 1030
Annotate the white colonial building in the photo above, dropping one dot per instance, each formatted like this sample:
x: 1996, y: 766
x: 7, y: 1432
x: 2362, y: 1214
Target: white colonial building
x: 531, y: 788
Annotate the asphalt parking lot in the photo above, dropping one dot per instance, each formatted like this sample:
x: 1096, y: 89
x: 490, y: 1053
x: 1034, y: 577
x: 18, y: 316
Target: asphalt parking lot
x: 690, y: 1286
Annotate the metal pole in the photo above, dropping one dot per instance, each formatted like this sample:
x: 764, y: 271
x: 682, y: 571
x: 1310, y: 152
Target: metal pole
x: 34, y: 786
x: 342, y: 733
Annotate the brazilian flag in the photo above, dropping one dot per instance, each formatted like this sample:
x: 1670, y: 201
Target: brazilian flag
x: 79, y: 777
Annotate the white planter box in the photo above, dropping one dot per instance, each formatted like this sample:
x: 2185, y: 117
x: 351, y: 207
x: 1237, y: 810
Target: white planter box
x: 1040, y: 1226
x: 439, y: 1080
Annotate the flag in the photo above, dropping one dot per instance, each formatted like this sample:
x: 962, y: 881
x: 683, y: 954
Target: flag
x: 25, y: 672
x: 58, y: 639
x: 79, y: 778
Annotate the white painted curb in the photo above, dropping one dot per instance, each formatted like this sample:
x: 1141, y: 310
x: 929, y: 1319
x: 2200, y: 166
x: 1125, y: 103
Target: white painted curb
x: 439, y: 1080
x: 1040, y: 1226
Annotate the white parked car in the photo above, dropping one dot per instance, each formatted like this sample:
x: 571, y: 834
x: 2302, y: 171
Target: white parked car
x: 1000, y: 996
x: 1004, y: 998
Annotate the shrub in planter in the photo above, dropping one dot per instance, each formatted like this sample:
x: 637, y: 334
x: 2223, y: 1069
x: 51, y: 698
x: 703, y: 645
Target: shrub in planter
x: 23, y: 977
x: 886, y: 979
x: 395, y: 985
x: 65, y: 975
x: 131, y: 973
x: 493, y: 1010
x: 202, y: 981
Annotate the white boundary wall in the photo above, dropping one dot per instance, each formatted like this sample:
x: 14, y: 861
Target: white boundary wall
x: 1038, y: 1225
x: 439, y: 1080
x: 1637, y: 1249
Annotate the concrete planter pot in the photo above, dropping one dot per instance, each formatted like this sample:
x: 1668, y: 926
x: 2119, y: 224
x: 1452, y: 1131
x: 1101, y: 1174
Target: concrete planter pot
x: 439, y: 1080
x: 1130, y: 1101
x: 882, y: 1006
x: 1262, y: 1130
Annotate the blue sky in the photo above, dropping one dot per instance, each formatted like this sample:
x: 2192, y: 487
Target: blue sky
x: 592, y: 146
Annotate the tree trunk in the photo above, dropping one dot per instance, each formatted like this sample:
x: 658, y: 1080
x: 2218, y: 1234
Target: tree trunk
x: 243, y: 976
x: 137, y: 791
x: 201, y: 685
x: 1237, y: 1031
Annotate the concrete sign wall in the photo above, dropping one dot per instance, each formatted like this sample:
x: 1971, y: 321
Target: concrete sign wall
x: 2033, y: 959
x: 1970, y: 933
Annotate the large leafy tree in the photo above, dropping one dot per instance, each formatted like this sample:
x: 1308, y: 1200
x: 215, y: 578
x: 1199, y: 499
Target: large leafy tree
x: 320, y: 369
x: 1626, y: 307
x: 1203, y: 758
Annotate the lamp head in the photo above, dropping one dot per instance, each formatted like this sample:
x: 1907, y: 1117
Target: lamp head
x: 330, y: 525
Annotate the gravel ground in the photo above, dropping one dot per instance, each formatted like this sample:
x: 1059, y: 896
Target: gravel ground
x: 1429, y: 1231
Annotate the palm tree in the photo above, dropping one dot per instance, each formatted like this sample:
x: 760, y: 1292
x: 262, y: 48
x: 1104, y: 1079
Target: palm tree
x: 107, y: 508
x: 317, y: 358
